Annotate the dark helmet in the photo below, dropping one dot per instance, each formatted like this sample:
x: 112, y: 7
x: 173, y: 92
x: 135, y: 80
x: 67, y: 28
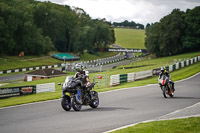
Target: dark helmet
x: 162, y: 69
x: 78, y: 67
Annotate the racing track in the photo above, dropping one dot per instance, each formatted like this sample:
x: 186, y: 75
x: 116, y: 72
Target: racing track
x: 116, y: 109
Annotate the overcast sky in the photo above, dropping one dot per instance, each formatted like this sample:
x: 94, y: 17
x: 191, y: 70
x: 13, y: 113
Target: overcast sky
x: 139, y: 11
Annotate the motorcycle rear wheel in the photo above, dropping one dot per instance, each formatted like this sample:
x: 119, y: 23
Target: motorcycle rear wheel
x: 66, y: 103
x: 76, y: 106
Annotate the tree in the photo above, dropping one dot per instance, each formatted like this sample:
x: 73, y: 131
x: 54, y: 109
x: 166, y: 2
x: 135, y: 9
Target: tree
x: 103, y: 36
x: 165, y: 38
x: 128, y: 24
x: 84, y: 40
x: 172, y: 30
x: 39, y: 27
x: 152, y: 38
x: 191, y: 38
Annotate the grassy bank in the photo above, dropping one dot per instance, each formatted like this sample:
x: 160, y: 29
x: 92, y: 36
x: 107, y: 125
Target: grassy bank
x: 148, y: 63
x: 13, y: 62
x: 130, y: 38
x: 188, y: 125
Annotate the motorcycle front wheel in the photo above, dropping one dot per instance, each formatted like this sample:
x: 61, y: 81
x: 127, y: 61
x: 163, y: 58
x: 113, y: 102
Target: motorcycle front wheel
x: 66, y: 103
x: 95, y: 99
x: 76, y: 106
x: 164, y: 89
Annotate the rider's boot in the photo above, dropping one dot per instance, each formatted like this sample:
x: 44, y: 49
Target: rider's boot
x: 63, y: 94
x: 78, y: 96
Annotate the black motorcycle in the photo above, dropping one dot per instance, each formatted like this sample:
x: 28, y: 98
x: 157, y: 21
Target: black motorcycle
x: 71, y: 85
x: 166, y: 86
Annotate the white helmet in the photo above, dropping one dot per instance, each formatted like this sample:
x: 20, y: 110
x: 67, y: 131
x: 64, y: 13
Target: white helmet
x: 78, y: 67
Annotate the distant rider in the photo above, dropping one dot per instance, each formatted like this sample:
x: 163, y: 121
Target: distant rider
x: 163, y: 71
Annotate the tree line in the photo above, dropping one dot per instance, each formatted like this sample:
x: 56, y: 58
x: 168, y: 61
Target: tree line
x: 176, y: 33
x: 39, y: 27
x: 128, y: 24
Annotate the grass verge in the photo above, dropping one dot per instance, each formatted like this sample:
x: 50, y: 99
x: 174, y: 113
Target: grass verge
x: 130, y: 38
x: 176, y: 75
x: 187, y: 125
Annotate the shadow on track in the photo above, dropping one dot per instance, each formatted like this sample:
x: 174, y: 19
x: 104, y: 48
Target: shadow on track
x: 104, y: 109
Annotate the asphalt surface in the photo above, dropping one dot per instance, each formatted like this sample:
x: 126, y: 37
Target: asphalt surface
x: 109, y: 66
x: 116, y: 109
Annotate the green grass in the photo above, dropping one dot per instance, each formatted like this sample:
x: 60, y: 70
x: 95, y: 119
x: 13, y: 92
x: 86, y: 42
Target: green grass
x: 13, y: 62
x: 187, y: 125
x: 176, y: 75
x: 148, y: 64
x: 130, y: 38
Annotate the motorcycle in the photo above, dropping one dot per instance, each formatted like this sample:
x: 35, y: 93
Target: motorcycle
x: 166, y: 86
x: 71, y: 85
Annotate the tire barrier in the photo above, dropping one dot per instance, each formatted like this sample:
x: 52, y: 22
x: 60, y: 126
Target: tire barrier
x: 130, y: 77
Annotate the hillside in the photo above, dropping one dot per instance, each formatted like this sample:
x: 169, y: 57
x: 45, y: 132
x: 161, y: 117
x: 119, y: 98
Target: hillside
x: 130, y: 38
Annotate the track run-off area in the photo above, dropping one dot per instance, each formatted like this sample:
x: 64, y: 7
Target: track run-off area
x: 117, y: 108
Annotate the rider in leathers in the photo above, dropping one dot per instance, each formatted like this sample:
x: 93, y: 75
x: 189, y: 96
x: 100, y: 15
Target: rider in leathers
x: 163, y: 71
x: 85, y: 79
x: 80, y: 72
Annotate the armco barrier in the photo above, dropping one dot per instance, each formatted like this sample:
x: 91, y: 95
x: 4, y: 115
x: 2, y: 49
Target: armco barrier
x: 122, y: 78
x: 143, y: 74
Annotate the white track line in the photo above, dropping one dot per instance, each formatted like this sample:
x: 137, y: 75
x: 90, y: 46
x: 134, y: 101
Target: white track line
x: 157, y: 119
x: 187, y: 78
x: 99, y: 93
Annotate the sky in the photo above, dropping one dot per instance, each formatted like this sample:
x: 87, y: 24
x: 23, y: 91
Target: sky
x: 139, y: 11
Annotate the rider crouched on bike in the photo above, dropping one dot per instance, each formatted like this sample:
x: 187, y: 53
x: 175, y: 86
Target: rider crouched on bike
x: 163, y: 71
x: 84, y: 76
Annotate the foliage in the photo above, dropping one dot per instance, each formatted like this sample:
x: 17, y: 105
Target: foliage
x: 39, y: 27
x: 191, y: 38
x: 128, y: 24
x: 175, y: 33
